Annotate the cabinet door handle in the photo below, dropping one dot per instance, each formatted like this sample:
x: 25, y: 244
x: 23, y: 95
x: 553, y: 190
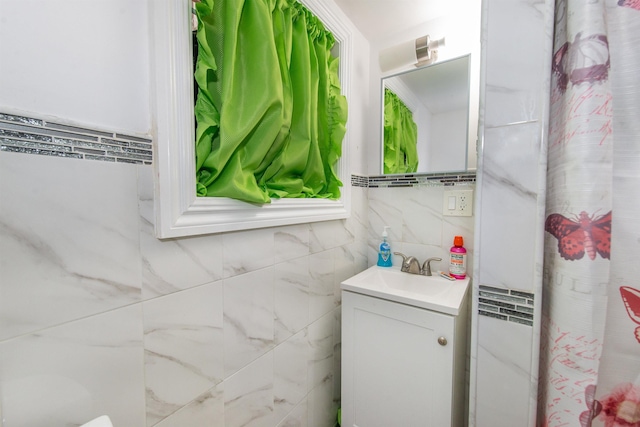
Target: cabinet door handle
x: 442, y: 341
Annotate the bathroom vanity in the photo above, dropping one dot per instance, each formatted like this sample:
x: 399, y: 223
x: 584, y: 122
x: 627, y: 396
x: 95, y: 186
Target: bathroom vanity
x: 404, y: 350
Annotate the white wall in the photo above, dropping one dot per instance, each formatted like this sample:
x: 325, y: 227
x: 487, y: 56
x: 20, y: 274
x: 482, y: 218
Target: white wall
x: 75, y: 60
x: 361, y: 98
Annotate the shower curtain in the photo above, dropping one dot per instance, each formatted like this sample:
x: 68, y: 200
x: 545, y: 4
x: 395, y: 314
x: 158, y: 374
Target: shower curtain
x: 590, y: 343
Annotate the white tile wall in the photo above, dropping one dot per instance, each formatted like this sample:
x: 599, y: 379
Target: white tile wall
x: 69, y: 246
x: 248, y: 318
x: 97, y: 316
x: 206, y: 410
x: 505, y: 375
x: 516, y: 38
x: 516, y: 60
x: 74, y: 372
x: 418, y: 227
x: 172, y: 265
x: 183, y: 348
x: 291, y: 297
x: 509, y: 205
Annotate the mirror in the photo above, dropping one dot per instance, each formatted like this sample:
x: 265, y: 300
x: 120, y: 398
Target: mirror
x: 438, y: 97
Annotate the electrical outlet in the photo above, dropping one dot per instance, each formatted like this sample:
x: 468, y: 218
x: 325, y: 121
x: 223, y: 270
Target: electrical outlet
x: 458, y: 203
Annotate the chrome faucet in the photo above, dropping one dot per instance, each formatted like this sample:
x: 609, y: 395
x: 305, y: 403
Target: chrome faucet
x: 426, y: 267
x: 410, y: 264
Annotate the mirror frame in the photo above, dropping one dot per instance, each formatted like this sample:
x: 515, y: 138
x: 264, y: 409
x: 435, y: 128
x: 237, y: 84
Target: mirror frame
x: 178, y: 211
x: 468, y: 120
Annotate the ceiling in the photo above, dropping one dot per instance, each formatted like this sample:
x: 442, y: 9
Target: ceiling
x: 376, y: 19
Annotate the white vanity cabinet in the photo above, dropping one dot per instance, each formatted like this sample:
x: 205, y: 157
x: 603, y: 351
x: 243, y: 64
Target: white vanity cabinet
x: 402, y: 365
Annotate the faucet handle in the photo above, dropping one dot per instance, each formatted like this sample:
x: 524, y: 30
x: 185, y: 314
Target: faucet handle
x: 426, y: 266
x: 405, y: 261
x: 409, y: 263
x: 404, y: 257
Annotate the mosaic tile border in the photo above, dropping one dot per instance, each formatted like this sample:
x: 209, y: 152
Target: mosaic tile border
x: 359, y: 181
x: 21, y: 134
x: 506, y: 304
x: 413, y: 180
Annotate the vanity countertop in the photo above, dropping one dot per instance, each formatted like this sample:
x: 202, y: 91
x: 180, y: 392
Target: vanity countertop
x: 429, y: 292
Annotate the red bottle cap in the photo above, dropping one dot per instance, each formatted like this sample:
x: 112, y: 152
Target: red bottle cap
x: 458, y: 241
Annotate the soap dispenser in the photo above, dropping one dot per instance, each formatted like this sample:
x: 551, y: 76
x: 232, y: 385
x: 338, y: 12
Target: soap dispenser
x: 384, y: 252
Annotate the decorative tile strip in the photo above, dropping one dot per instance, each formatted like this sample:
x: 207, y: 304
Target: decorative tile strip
x: 506, y: 304
x: 30, y: 135
x: 359, y: 181
x: 413, y: 180
x: 20, y: 134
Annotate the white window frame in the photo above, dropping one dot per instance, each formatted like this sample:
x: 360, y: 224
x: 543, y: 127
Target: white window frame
x: 178, y: 211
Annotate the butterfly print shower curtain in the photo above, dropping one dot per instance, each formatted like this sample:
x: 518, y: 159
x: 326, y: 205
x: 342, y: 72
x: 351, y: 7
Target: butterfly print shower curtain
x: 590, y: 341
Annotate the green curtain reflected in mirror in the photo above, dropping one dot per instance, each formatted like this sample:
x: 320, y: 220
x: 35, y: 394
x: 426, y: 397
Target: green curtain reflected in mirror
x: 400, y: 136
x: 269, y: 113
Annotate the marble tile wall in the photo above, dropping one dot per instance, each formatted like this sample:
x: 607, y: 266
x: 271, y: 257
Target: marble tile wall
x: 418, y: 226
x: 516, y: 55
x: 97, y: 316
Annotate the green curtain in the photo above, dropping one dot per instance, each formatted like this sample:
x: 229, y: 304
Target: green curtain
x: 400, y: 136
x: 269, y: 113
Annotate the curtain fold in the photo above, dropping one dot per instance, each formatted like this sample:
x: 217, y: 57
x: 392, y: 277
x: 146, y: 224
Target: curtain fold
x: 590, y: 344
x: 400, y: 136
x: 270, y: 116
x: 617, y: 393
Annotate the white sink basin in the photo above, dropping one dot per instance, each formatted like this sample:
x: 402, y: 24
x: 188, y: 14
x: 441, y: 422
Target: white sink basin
x: 431, y: 292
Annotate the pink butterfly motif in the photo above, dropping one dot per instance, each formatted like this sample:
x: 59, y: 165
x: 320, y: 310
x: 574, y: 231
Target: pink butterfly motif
x: 583, y: 234
x: 633, y: 4
x: 586, y: 60
x: 593, y: 406
x: 631, y: 300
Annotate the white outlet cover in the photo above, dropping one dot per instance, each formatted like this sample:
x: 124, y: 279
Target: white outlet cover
x: 463, y: 205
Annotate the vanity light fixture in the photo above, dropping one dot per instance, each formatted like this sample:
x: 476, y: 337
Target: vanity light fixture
x: 427, y: 50
x: 419, y: 52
